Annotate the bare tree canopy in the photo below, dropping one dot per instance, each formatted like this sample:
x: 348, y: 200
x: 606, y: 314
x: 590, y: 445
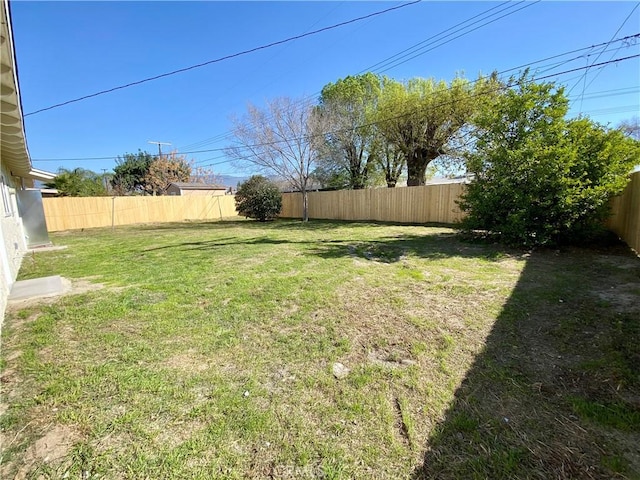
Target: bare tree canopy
x: 631, y: 127
x: 279, y: 140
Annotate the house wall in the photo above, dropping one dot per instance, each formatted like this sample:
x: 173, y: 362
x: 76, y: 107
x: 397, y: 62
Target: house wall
x: 174, y: 190
x: 12, y: 241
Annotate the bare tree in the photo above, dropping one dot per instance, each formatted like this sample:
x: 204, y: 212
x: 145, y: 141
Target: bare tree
x: 630, y: 127
x: 280, y: 140
x: 204, y: 175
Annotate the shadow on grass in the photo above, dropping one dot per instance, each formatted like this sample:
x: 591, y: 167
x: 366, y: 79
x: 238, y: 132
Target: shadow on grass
x: 395, y: 248
x: 279, y: 224
x: 387, y: 249
x: 383, y: 250
x: 221, y: 242
x: 555, y: 393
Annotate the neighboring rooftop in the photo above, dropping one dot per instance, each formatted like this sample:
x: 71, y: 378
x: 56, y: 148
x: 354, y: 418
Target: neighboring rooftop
x: 197, y: 186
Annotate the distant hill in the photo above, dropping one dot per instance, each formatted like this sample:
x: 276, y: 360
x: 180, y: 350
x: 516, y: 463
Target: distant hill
x: 230, y: 180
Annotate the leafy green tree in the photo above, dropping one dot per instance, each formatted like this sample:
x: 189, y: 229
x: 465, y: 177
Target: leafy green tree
x: 331, y: 177
x: 347, y: 107
x: 422, y: 118
x: 539, y: 179
x: 130, y: 173
x: 78, y: 183
x: 258, y: 198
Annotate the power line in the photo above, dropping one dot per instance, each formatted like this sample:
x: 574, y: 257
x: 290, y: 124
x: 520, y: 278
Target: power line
x: 528, y: 4
x: 509, y: 85
x: 608, y: 93
x: 227, y: 57
x: 613, y: 110
x: 584, y: 76
x: 444, y: 103
x: 220, y: 137
x: 506, y: 86
x: 590, y: 66
x: 614, y: 53
x: 591, y: 47
x: 382, y: 62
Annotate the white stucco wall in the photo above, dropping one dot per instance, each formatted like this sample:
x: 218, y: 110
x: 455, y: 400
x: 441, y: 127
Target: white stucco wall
x: 12, y: 241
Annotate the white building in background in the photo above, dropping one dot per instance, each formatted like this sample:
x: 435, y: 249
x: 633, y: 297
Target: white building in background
x: 21, y: 214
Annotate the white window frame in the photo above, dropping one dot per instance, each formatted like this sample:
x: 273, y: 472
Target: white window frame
x: 7, y: 200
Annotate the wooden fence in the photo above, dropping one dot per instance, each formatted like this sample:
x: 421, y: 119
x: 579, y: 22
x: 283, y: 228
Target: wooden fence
x: 625, y: 219
x: 431, y: 203
x: 69, y: 213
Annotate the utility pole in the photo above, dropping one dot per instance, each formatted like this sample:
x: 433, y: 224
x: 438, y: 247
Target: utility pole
x: 159, y: 146
x: 104, y: 178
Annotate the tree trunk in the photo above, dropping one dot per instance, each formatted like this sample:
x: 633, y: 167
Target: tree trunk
x: 416, y: 171
x: 417, y: 165
x: 357, y: 174
x: 391, y: 180
x: 305, y: 205
x: 358, y: 179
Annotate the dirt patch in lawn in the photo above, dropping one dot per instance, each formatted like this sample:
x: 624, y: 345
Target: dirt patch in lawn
x: 51, y: 449
x: 622, y: 298
x: 188, y: 362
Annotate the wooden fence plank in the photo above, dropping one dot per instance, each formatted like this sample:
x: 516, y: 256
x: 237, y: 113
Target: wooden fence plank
x: 625, y: 209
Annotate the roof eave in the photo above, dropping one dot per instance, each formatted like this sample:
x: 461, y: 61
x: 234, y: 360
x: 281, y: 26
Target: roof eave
x: 13, y: 145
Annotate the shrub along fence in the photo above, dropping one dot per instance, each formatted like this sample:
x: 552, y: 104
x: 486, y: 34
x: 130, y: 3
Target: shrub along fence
x: 68, y: 213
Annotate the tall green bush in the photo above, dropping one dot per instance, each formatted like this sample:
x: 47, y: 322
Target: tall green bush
x: 258, y: 198
x: 538, y: 178
x: 78, y: 183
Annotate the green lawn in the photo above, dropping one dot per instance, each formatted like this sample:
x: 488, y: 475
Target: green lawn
x: 209, y: 353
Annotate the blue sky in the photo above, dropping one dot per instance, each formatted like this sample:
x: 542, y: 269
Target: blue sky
x: 69, y: 49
